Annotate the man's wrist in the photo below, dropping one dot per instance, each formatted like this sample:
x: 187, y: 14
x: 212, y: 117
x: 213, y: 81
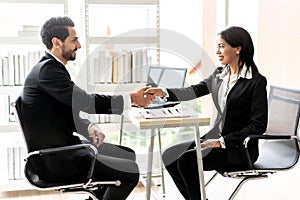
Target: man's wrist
x: 92, y: 124
x: 127, y: 100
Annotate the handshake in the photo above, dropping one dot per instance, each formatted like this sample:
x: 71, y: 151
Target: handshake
x: 145, y: 95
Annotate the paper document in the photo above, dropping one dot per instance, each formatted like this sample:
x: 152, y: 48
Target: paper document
x: 163, y: 113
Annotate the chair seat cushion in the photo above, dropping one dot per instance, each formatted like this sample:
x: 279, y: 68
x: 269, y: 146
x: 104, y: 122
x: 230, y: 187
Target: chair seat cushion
x: 277, y: 154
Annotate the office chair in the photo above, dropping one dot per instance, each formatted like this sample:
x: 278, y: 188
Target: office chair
x: 85, y: 187
x: 278, y: 147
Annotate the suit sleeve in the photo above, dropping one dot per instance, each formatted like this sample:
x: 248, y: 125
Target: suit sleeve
x: 192, y: 92
x: 56, y: 82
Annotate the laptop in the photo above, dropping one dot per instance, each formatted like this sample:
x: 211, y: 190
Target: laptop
x: 166, y: 77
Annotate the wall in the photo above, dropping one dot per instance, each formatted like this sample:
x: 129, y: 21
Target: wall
x: 274, y: 27
x: 278, y: 41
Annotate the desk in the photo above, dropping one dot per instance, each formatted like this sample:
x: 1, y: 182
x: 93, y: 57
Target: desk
x: 194, y: 119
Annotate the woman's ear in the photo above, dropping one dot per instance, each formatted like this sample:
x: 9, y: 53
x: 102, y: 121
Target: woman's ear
x: 238, y: 50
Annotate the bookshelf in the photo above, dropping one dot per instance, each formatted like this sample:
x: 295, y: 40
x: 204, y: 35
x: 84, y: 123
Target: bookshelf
x: 17, y: 40
x: 126, y: 40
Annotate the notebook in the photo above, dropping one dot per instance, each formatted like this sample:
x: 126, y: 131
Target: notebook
x: 166, y: 77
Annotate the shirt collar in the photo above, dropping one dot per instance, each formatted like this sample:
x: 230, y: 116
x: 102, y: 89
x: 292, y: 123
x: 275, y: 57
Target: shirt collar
x: 56, y: 58
x: 244, y: 73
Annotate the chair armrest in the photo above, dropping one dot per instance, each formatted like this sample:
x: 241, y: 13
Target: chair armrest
x: 267, y: 137
x: 68, y: 148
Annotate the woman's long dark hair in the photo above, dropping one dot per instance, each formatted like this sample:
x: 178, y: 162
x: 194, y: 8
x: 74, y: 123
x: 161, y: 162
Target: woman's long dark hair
x: 236, y: 36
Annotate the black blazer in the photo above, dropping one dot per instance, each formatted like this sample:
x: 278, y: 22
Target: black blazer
x: 245, y: 113
x: 50, y: 108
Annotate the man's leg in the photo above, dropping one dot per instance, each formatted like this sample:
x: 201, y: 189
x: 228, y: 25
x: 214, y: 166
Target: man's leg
x: 109, y: 168
x: 113, y: 157
x: 114, y: 151
x: 117, y: 151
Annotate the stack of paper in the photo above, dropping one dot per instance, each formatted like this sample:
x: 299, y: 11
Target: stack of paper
x: 163, y: 113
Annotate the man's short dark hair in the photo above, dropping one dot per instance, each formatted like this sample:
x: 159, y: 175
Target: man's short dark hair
x: 55, y: 27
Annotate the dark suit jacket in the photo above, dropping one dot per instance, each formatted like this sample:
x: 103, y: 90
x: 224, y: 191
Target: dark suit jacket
x: 51, y: 105
x: 245, y: 113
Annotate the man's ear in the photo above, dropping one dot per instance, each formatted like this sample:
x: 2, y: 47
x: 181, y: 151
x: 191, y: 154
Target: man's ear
x: 56, y: 42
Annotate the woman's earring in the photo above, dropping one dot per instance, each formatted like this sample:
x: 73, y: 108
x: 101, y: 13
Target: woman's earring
x: 237, y: 52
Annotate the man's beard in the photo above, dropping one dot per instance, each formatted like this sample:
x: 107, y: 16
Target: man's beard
x: 68, y: 55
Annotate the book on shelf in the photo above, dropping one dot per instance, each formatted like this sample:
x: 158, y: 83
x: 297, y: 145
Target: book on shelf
x: 11, y: 100
x: 115, y: 60
x: 5, y: 71
x: 29, y: 30
x: 15, y: 66
x: 120, y: 67
x: 4, y: 109
x: 1, y: 72
x: 11, y: 69
x: 127, y: 66
x: 28, y: 33
x: 15, y: 161
x: 101, y: 118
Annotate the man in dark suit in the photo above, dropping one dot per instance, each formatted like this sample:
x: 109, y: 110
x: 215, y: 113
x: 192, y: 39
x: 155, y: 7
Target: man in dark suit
x: 51, y: 106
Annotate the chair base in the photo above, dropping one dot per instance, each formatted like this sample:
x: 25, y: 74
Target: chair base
x: 244, y: 179
x: 87, y: 192
x: 241, y: 183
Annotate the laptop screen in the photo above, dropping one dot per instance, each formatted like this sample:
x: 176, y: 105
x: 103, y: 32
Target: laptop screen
x: 166, y: 77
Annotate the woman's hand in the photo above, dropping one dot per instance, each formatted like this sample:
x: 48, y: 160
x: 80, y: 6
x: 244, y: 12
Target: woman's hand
x: 154, y: 91
x: 211, y: 143
x: 139, y: 98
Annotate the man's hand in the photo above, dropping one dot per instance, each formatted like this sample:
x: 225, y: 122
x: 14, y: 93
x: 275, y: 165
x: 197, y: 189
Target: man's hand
x: 139, y: 98
x: 154, y: 91
x: 96, y: 135
x: 211, y: 143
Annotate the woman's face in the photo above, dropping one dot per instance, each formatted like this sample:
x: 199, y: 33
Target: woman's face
x: 226, y: 53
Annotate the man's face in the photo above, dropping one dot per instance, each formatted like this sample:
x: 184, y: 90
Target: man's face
x: 70, y: 45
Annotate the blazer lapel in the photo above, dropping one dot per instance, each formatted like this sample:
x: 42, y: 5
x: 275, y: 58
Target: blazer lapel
x: 216, y: 87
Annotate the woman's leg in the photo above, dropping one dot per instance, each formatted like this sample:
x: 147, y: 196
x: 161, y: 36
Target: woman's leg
x: 213, y: 159
x: 170, y: 157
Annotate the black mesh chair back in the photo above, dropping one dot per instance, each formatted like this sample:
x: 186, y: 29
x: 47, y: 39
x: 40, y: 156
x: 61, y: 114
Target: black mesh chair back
x: 284, y: 92
x: 283, y: 111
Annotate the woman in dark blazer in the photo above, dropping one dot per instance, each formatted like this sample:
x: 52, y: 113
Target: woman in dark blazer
x: 240, y: 98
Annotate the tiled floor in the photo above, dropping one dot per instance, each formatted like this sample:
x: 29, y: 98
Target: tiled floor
x: 279, y: 186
